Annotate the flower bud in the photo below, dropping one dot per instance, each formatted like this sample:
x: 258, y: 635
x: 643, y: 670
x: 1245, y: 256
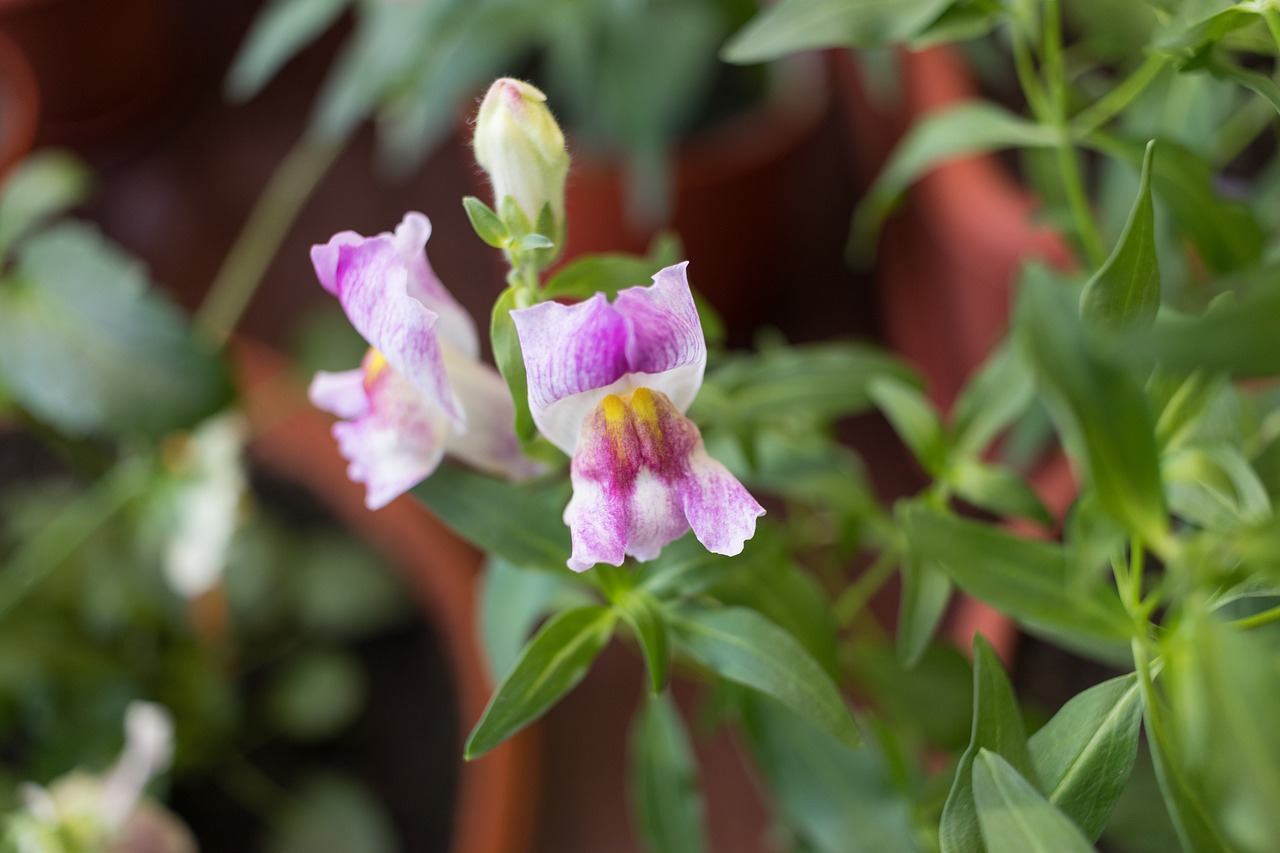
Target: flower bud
x: 518, y: 143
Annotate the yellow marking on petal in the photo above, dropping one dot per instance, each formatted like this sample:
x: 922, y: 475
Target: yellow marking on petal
x: 615, y: 411
x: 645, y: 411
x: 374, y: 364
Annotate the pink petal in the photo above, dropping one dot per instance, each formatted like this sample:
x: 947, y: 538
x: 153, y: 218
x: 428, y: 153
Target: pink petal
x: 641, y: 476
x: 455, y: 326
x: 340, y: 394
x: 577, y: 354
x: 569, y: 350
x: 372, y: 285
x: 489, y: 443
x: 396, y: 444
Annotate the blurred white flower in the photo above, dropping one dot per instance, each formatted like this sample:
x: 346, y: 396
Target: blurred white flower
x: 208, y: 504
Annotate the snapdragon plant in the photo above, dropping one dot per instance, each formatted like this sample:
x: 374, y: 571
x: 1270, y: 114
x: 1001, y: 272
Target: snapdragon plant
x: 1163, y: 567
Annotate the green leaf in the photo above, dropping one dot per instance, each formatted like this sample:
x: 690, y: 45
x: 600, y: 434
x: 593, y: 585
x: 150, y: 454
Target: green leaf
x: 1219, y: 750
x: 645, y: 616
x: 485, y: 222
x: 85, y: 346
x: 553, y: 662
x: 1235, y: 336
x: 773, y: 585
x: 914, y: 420
x: 605, y: 273
x: 997, y: 727
x: 533, y: 242
x: 997, y: 489
x: 961, y: 21
x: 792, y: 26
x: 814, y: 381
x: 512, y: 601
x: 1126, y: 289
x: 974, y: 127
x: 521, y: 526
x: 1013, y: 815
x: 741, y: 646
x: 665, y: 799
x: 926, y: 591
x: 934, y: 697
x: 38, y: 189
x: 1185, y: 405
x: 1021, y: 577
x: 279, y: 31
x: 1090, y: 538
x: 317, y: 695
x: 1000, y: 391
x: 836, y: 799
x: 1260, y: 84
x: 1215, y: 487
x: 1083, y: 756
x: 685, y: 568
x: 1225, y: 233
x: 1097, y: 404
x: 507, y: 355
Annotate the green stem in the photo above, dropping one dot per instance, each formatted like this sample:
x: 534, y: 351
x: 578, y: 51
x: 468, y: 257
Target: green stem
x: 855, y: 597
x: 1257, y: 620
x: 1239, y: 129
x: 1027, y: 78
x: 44, y: 552
x: 1068, y: 166
x: 1107, y: 107
x: 284, y: 196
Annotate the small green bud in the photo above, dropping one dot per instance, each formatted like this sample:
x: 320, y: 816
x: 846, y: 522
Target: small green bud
x: 518, y: 143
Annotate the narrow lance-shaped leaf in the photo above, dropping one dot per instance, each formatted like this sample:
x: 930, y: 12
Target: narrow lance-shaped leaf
x: 914, y: 420
x: 278, y: 33
x: 926, y: 590
x: 835, y: 798
x: 796, y: 25
x: 647, y: 620
x: 553, y: 662
x: 485, y: 222
x: 967, y: 128
x: 741, y: 646
x: 991, y: 400
x: 512, y: 601
x: 1095, y: 402
x: 1126, y: 290
x: 522, y: 527
x: 1014, y: 817
x: 1021, y: 577
x: 665, y: 799
x: 1084, y: 755
x: 997, y: 727
x: 507, y: 355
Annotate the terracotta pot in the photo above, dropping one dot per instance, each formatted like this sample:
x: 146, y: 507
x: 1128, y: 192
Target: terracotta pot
x: 946, y: 268
x: 19, y: 105
x: 737, y: 199
x: 497, y: 798
x: 102, y: 67
x: 947, y: 262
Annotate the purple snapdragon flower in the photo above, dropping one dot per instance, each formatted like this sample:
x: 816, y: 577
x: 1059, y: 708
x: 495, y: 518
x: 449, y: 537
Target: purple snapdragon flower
x: 609, y: 384
x: 421, y: 390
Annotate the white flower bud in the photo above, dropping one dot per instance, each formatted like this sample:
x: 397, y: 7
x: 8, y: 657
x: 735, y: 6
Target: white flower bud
x: 518, y: 143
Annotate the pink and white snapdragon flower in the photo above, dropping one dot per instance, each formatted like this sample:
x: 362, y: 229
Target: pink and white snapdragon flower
x: 422, y: 390
x: 609, y: 384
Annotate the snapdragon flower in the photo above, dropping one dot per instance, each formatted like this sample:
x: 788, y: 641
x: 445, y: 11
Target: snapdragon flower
x: 609, y: 384
x: 421, y: 390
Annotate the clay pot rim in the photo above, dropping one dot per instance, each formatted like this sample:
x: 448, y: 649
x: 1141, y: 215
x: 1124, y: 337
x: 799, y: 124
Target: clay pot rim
x: 18, y: 125
x: 293, y: 439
